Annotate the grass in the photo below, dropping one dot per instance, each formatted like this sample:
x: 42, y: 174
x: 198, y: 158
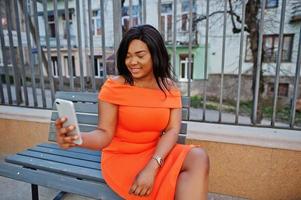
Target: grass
x: 245, y: 108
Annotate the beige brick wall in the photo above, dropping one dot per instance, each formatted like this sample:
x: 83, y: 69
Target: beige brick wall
x: 253, y: 172
x: 17, y: 135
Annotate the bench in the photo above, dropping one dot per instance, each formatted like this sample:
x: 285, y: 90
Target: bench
x: 76, y: 170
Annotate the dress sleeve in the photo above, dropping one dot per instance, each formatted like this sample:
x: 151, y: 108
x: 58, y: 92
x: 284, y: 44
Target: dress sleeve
x: 121, y: 94
x: 109, y: 93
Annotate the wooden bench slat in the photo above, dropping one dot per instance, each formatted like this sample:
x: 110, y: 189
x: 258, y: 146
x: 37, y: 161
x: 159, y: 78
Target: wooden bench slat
x: 89, y: 189
x: 74, y: 149
x: 66, y: 153
x: 78, y: 96
x: 70, y: 170
x: 81, y: 107
x: 81, y: 118
x: 61, y: 159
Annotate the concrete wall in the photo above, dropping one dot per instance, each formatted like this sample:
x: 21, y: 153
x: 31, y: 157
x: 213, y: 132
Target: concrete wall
x: 17, y: 135
x: 253, y: 172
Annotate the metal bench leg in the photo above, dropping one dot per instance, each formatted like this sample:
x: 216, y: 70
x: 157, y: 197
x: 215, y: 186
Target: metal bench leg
x: 34, y: 192
x: 60, y: 195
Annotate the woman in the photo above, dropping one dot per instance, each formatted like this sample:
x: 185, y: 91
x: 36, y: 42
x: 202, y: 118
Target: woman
x: 138, y: 129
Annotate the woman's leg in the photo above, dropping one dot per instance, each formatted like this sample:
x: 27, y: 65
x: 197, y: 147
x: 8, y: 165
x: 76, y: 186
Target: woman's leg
x: 192, y: 182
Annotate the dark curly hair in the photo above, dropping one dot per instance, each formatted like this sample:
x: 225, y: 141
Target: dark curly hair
x: 152, y: 38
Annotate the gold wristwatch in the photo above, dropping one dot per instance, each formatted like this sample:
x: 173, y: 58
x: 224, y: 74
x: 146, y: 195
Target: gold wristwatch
x: 159, y: 160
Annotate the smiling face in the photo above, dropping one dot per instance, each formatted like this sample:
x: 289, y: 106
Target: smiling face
x: 139, y: 61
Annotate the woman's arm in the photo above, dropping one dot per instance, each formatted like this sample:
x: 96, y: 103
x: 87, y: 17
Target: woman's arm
x: 97, y: 139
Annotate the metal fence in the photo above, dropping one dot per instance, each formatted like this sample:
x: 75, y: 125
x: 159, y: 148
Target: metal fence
x: 47, y: 46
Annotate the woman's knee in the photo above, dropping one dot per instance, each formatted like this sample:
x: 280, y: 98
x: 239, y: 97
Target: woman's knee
x: 199, y: 160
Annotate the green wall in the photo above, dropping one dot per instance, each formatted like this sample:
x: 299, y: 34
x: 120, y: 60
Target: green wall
x: 199, y: 59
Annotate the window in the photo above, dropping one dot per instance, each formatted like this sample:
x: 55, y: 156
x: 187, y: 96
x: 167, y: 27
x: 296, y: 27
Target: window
x: 7, y: 56
x: 282, y: 89
x: 96, y: 22
x: 271, y: 4
x: 270, y: 48
x: 66, y: 67
x: 98, y: 67
x: 51, y: 25
x: 184, y: 64
x: 54, y: 66
x: 126, y: 17
x: 166, y: 21
x: 185, y: 15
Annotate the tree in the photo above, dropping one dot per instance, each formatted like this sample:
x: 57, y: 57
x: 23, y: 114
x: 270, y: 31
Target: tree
x: 252, y: 23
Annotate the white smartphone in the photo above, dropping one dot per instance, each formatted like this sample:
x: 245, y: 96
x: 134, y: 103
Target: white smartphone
x: 65, y: 108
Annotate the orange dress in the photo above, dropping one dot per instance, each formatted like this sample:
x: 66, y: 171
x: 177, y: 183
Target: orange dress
x: 142, y: 116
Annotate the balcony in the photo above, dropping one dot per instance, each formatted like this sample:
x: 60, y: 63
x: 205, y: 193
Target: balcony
x: 296, y: 11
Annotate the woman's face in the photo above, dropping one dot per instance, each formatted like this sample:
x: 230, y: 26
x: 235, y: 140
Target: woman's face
x: 139, y: 61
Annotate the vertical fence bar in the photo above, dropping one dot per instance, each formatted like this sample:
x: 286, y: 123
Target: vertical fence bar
x: 189, y: 73
x: 70, y: 63
x: 174, y: 39
x: 130, y: 13
x: 50, y: 69
x: 144, y: 11
x: 278, y: 63
x: 91, y: 46
x: 223, y: 62
x: 296, y: 84
x: 159, y: 16
x: 259, y: 53
x: 30, y: 54
x: 117, y: 29
x: 13, y: 54
x: 39, y: 49
x: 58, y: 45
x: 243, y: 13
x: 103, y: 39
x: 20, y: 48
x: 80, y: 50
x: 206, y: 61
x: 5, y: 63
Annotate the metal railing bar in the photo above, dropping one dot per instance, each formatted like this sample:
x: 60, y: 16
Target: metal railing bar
x: 117, y: 29
x: 80, y: 50
x: 206, y: 61
x: 20, y: 48
x: 91, y: 46
x: 259, y: 53
x: 130, y: 13
x: 50, y: 69
x: 103, y: 39
x: 174, y: 39
x: 223, y: 62
x: 243, y: 13
x: 39, y: 49
x: 296, y: 84
x: 30, y: 54
x: 278, y: 63
x: 144, y: 11
x: 58, y: 45
x: 159, y: 16
x: 13, y: 54
x: 5, y: 65
x: 189, y: 74
x: 70, y: 63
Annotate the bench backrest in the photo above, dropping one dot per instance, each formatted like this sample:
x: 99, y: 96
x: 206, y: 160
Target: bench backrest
x: 86, y: 108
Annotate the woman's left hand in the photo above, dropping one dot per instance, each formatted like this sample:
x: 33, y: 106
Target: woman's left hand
x: 144, y: 181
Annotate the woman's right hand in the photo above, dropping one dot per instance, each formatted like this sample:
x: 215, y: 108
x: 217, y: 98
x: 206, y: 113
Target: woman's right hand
x: 64, y: 140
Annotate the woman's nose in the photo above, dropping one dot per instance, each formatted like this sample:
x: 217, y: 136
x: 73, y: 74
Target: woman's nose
x: 133, y: 61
